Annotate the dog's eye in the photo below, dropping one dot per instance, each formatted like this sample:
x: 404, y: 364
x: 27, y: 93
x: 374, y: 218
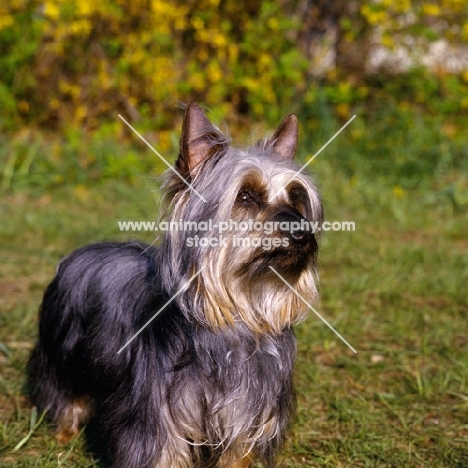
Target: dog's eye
x: 244, y: 197
x: 299, y: 199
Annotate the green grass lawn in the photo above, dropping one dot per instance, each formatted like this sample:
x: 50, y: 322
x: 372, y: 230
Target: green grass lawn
x: 396, y: 288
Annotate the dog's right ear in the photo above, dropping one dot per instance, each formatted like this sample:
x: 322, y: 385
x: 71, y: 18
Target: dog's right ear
x: 200, y: 140
x: 284, y: 141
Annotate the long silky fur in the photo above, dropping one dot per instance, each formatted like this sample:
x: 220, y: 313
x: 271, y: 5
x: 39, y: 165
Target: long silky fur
x: 208, y: 383
x: 179, y: 393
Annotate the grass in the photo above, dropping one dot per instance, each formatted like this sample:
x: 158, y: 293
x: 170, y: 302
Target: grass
x: 395, y: 288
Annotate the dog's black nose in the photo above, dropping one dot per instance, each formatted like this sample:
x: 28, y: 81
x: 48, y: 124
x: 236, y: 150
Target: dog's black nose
x: 301, y: 236
x: 298, y: 235
x: 296, y: 227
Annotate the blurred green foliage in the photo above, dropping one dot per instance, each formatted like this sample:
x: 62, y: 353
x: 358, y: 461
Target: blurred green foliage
x: 89, y: 60
x: 79, y: 62
x: 68, y: 67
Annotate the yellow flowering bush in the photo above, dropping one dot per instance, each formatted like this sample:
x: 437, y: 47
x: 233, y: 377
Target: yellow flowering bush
x: 79, y: 63
x: 91, y: 60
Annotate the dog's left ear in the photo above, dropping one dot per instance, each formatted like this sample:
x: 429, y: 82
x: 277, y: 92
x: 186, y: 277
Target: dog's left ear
x: 284, y: 140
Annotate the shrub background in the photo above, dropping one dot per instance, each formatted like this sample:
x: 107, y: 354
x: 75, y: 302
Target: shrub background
x: 395, y: 288
x: 68, y: 67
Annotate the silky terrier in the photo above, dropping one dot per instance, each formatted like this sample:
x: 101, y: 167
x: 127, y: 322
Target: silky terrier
x: 181, y: 355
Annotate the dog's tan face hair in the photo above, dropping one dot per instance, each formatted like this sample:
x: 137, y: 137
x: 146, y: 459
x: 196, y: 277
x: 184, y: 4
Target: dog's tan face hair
x: 260, y: 184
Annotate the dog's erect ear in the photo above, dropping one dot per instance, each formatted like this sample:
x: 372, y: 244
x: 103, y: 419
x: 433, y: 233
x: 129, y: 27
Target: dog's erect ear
x: 199, y: 141
x: 284, y: 141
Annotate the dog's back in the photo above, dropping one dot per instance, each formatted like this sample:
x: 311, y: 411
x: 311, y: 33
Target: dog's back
x: 113, y: 276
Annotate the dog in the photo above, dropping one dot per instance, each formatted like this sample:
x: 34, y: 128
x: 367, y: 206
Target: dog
x: 181, y: 355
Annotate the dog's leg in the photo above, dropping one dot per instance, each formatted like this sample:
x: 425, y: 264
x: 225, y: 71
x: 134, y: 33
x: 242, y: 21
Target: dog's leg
x: 72, y: 418
x: 230, y: 460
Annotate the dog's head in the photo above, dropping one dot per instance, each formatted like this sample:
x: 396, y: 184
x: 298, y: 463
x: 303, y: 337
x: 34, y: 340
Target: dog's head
x: 249, y: 223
